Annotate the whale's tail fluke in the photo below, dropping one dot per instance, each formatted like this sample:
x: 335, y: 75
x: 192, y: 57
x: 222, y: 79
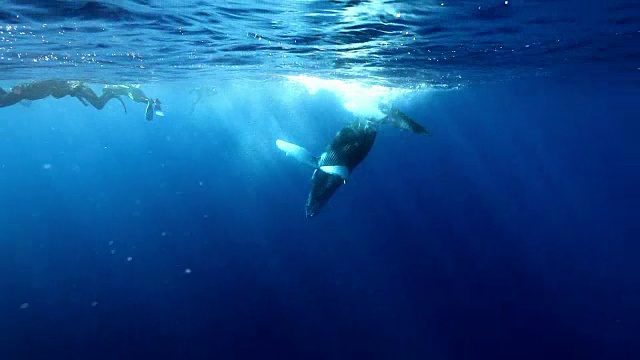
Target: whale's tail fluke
x: 304, y: 156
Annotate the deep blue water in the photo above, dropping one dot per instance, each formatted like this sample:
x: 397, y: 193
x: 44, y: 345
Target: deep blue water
x: 511, y: 232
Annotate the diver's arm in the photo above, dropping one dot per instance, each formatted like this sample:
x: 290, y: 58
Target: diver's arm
x: 99, y: 102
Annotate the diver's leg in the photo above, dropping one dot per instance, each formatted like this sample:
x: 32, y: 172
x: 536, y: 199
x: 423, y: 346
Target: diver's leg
x: 99, y: 102
x: 195, y: 102
x: 88, y: 96
x: 82, y: 101
x: 10, y: 98
x: 122, y: 90
x: 114, y: 91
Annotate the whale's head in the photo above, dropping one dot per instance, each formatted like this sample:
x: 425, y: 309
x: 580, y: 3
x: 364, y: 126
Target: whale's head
x: 323, y: 186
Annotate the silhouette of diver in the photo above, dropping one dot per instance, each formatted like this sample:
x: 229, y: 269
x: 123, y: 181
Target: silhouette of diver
x: 37, y: 90
x: 201, y: 93
x: 137, y: 95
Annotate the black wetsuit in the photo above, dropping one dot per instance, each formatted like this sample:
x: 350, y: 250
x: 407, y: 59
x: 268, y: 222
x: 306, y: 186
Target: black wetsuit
x: 58, y: 89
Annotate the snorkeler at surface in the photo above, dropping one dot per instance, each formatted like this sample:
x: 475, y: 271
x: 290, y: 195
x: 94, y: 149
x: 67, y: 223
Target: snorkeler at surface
x: 37, y: 90
x: 137, y: 95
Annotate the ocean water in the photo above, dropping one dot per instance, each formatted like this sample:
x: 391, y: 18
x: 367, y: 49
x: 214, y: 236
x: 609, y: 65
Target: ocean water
x: 510, y: 232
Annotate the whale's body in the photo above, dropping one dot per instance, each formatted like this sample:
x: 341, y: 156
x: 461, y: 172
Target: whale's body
x: 347, y: 150
x: 349, y: 147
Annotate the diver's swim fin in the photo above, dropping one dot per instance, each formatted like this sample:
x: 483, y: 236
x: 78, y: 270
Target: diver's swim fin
x: 297, y: 152
x: 149, y: 112
x: 157, y: 109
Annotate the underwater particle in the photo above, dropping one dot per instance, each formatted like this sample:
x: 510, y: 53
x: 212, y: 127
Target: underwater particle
x: 164, y: 233
x: 201, y: 183
x: 206, y: 216
x: 46, y: 166
x: 129, y: 258
x: 113, y: 251
x: 110, y: 242
x: 506, y: 2
x: 187, y: 271
x: 24, y: 306
x: 94, y: 303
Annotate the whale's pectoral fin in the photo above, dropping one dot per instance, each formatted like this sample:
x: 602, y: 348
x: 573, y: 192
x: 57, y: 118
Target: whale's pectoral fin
x: 297, y: 152
x: 397, y: 118
x: 337, y: 170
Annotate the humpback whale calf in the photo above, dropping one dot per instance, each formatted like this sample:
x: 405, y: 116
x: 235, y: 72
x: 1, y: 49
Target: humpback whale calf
x: 346, y: 151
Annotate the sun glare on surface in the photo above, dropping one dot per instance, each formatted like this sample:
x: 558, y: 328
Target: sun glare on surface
x: 358, y: 98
